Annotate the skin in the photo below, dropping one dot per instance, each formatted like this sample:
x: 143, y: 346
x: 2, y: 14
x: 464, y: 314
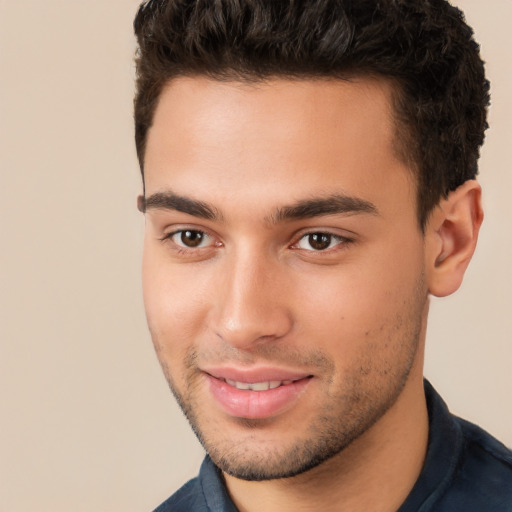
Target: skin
x: 250, y: 288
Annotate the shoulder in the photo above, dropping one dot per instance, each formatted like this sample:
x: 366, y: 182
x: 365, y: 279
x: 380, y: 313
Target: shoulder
x: 188, y: 498
x: 486, y: 454
x: 466, y: 469
x: 483, y: 477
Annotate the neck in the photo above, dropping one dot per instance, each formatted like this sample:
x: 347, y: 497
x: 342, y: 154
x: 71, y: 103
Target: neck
x: 376, y: 472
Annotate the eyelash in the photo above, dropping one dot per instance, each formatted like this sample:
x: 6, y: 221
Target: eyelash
x: 183, y: 248
x: 340, y: 241
x: 327, y: 237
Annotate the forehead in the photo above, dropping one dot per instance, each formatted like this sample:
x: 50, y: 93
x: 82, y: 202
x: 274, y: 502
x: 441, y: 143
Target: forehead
x: 276, y: 138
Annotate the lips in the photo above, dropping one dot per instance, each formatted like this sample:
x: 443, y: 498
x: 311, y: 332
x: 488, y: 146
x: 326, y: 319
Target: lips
x: 256, y: 394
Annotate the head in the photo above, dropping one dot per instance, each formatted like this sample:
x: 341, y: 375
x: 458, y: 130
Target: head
x: 308, y: 176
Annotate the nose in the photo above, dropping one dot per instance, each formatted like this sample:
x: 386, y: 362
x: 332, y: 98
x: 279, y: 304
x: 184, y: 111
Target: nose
x: 251, y: 302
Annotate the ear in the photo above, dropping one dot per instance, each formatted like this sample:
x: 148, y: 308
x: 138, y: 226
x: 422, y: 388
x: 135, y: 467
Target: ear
x: 451, y: 236
x: 141, y: 204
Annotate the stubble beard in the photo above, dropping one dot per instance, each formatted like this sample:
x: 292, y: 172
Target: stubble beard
x: 366, y: 395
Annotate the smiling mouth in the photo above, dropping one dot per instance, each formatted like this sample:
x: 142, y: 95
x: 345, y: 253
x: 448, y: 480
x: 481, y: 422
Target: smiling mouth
x: 253, y: 397
x: 262, y: 386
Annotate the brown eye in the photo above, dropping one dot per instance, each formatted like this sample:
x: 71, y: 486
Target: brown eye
x: 190, y: 238
x: 319, y: 241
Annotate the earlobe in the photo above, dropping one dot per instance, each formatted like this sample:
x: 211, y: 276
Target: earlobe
x: 451, y: 237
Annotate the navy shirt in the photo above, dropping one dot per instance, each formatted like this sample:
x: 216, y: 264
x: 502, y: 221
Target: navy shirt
x: 466, y: 470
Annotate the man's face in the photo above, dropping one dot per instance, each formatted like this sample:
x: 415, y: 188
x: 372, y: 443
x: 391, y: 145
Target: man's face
x: 283, y: 266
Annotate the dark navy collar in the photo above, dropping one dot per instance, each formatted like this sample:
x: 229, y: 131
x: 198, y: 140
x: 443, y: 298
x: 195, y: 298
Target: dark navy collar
x: 214, y: 489
x: 444, y: 449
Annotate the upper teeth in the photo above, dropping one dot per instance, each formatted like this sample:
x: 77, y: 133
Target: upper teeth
x: 258, y: 386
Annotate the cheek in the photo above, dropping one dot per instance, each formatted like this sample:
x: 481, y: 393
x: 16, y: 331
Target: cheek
x: 360, y: 303
x: 173, y: 303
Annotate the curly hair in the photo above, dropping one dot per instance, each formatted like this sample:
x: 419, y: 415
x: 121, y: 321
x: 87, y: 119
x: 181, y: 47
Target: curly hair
x: 423, y: 47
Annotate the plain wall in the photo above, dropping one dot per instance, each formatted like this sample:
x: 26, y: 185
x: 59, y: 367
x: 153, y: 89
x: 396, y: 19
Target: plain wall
x: 87, y: 422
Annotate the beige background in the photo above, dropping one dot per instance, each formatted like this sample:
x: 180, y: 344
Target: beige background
x: 87, y: 422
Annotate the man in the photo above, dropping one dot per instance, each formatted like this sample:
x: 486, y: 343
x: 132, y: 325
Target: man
x: 309, y: 180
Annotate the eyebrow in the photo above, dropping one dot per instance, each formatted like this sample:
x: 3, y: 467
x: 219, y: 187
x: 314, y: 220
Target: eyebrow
x: 171, y: 201
x: 334, y: 204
